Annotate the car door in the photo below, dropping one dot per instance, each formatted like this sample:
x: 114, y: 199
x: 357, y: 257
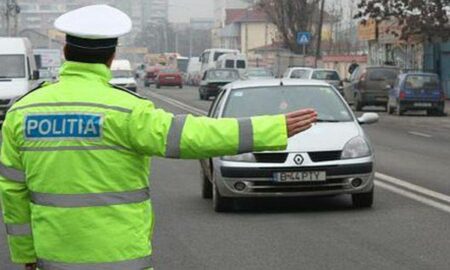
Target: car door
x: 350, y: 85
x: 214, y: 110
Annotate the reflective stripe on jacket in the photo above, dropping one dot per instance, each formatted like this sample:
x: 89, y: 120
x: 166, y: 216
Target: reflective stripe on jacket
x: 75, y: 163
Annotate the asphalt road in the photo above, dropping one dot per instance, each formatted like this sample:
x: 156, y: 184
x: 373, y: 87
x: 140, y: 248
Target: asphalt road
x: 400, y: 232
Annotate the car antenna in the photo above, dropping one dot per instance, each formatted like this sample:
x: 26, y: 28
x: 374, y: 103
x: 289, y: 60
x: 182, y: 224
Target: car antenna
x: 281, y: 83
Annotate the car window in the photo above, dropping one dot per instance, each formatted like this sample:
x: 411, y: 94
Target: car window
x: 12, y: 66
x: 285, y: 99
x: 286, y: 73
x: 240, y: 64
x: 385, y: 74
x: 217, y: 55
x: 421, y: 82
x: 122, y: 74
x: 299, y: 74
x: 259, y: 73
x: 328, y: 75
x: 229, y: 63
x: 223, y: 75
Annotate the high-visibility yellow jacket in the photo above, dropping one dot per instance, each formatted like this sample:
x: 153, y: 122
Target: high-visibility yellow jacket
x: 75, y: 163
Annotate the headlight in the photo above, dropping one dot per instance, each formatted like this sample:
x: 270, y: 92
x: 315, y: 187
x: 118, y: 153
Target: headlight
x: 249, y: 157
x: 356, y: 148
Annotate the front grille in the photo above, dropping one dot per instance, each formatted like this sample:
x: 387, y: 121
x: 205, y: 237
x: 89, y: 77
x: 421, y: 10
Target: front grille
x: 4, y: 101
x: 271, y: 157
x: 325, y: 156
x: 272, y: 186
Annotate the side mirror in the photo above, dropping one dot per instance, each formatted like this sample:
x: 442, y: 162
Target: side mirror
x: 369, y: 118
x: 35, y: 75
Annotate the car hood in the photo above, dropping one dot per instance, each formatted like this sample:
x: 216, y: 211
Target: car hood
x: 324, y: 137
x: 122, y: 81
x: 13, y: 88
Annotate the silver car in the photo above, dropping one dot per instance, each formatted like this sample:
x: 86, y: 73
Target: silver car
x: 333, y: 157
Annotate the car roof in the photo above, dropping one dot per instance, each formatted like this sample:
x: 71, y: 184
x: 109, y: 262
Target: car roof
x: 390, y: 67
x: 324, y: 69
x: 419, y: 73
x: 219, y: 69
x: 301, y: 68
x: 276, y: 82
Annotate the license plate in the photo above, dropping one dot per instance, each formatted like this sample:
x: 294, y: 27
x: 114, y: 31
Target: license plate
x: 300, y: 176
x: 422, y: 104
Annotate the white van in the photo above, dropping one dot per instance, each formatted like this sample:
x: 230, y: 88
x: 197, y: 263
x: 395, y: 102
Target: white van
x: 18, y: 72
x: 236, y: 61
x: 210, y: 56
x: 123, y: 75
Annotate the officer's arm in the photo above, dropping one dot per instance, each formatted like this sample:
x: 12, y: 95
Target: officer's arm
x: 156, y: 132
x: 15, y: 201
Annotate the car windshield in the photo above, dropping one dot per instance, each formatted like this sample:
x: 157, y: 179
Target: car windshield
x: 223, y: 75
x: 383, y: 74
x: 327, y: 75
x: 421, y: 82
x: 121, y: 74
x: 12, y: 66
x: 169, y: 70
x: 300, y: 74
x: 259, y: 73
x: 284, y: 99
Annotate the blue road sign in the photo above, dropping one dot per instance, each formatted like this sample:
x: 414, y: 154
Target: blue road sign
x: 303, y: 38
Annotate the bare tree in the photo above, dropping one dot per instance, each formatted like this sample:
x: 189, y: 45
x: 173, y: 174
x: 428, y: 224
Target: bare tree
x: 291, y: 17
x: 427, y: 18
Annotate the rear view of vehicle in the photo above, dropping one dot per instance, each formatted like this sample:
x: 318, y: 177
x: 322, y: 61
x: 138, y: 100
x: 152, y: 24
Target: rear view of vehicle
x: 123, y: 75
x: 169, y: 77
x: 150, y: 76
x: 214, y: 79
x: 259, y: 74
x: 417, y: 91
x: 18, y: 71
x: 329, y: 76
x: 371, y: 87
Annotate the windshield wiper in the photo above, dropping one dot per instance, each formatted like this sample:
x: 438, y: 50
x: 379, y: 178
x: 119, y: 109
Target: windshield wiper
x: 327, y: 121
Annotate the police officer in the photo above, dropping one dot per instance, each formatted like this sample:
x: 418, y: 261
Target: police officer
x: 75, y: 155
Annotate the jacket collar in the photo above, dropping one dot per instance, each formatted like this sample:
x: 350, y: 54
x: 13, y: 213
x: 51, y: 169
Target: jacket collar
x: 86, y: 71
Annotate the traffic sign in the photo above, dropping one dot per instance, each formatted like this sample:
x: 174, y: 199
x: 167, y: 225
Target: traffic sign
x: 303, y: 38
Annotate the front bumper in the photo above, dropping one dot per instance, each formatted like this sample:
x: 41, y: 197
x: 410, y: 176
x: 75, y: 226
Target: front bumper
x: 259, y: 180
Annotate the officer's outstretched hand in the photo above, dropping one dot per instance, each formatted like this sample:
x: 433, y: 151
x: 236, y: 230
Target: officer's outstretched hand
x: 30, y: 266
x: 300, y: 121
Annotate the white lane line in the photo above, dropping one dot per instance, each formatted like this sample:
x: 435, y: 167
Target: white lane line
x: 387, y: 182
x: 420, y: 134
x: 413, y: 196
x: 412, y: 187
x: 178, y: 104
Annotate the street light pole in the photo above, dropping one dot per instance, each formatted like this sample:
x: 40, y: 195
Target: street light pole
x: 319, y: 36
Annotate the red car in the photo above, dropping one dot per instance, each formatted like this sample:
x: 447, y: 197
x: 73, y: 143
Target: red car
x: 169, y: 77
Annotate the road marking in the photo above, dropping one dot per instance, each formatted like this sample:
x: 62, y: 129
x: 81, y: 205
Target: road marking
x: 413, y: 196
x: 178, y: 104
x: 392, y: 184
x: 412, y: 187
x: 420, y: 134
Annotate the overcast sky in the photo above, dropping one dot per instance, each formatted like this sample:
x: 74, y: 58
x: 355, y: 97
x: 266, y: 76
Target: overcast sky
x: 183, y: 10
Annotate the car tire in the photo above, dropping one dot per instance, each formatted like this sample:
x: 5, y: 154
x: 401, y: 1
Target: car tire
x: 358, y: 104
x: 363, y: 200
x: 221, y: 204
x: 207, y: 187
x: 200, y: 95
x: 398, y: 109
x: 181, y: 86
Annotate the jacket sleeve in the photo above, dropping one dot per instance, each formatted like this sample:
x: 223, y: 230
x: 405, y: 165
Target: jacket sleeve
x: 15, y: 200
x: 155, y: 132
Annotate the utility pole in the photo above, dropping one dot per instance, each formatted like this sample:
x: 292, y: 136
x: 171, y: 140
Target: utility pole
x: 319, y: 38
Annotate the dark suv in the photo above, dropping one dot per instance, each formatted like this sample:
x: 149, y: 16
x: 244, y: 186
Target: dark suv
x: 369, y: 86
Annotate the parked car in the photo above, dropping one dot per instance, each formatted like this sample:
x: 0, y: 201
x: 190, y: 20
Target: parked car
x: 367, y: 86
x: 235, y: 61
x: 169, y: 77
x: 330, y: 76
x: 214, y: 79
x: 150, y: 75
x: 259, y: 73
x: 417, y: 91
x: 334, y: 157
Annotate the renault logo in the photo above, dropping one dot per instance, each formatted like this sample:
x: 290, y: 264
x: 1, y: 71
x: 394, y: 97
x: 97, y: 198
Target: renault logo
x: 298, y: 159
